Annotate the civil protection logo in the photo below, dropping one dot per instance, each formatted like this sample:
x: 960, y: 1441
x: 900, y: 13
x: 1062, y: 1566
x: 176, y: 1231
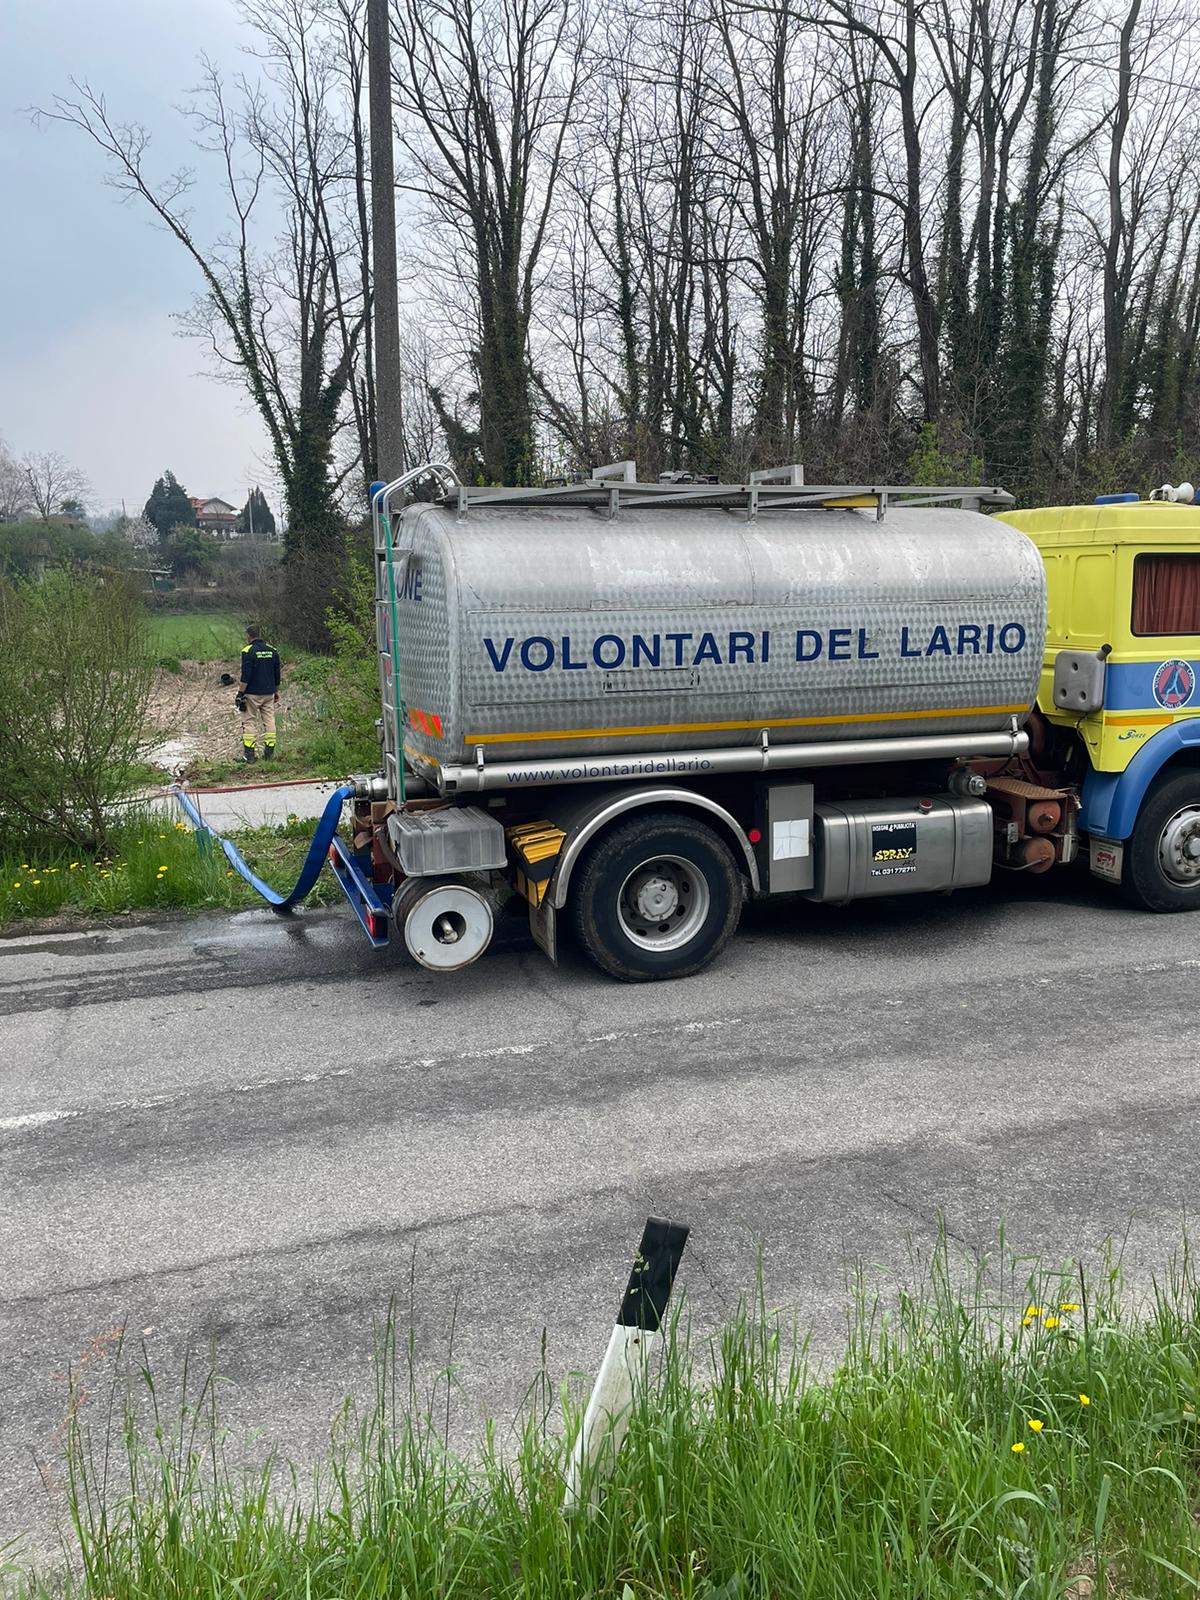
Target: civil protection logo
x: 1174, y: 684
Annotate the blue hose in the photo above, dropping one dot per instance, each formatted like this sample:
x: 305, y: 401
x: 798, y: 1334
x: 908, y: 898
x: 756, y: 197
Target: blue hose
x: 313, y: 861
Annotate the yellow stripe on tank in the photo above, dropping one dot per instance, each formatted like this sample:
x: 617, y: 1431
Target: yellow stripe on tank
x: 539, y: 736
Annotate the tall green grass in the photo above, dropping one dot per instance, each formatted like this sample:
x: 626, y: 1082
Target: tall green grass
x: 1010, y: 1439
x: 152, y: 862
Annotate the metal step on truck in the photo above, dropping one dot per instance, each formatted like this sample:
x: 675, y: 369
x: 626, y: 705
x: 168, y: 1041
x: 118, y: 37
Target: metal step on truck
x: 634, y: 705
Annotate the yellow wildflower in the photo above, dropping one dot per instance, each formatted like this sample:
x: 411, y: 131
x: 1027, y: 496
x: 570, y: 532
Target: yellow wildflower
x: 16, y: 885
x: 162, y: 869
x: 1035, y: 1425
x: 1050, y: 1322
x: 1084, y: 1400
x: 1033, y: 1311
x: 1027, y: 1322
x: 1017, y: 1448
x: 36, y: 881
x: 1069, y: 1305
x: 74, y: 864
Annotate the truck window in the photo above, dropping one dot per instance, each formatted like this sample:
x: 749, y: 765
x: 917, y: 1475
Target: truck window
x: 1166, y: 593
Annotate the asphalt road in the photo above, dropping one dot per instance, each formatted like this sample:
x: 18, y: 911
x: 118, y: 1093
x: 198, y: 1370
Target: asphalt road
x: 256, y: 1132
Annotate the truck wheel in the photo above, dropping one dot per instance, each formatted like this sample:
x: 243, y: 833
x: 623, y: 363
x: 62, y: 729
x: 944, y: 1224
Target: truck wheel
x: 656, y: 897
x: 1162, y: 857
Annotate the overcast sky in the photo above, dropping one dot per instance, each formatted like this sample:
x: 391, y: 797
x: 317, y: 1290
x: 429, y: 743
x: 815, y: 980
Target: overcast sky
x: 91, y: 363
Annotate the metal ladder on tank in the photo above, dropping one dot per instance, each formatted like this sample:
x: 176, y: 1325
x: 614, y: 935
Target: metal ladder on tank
x: 616, y: 488
x: 387, y: 561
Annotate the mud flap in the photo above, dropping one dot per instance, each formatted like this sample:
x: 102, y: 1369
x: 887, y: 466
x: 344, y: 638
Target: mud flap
x: 543, y: 926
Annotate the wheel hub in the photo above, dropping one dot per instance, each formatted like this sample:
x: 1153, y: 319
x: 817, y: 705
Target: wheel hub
x: 663, y: 903
x: 1179, y: 847
x: 656, y: 897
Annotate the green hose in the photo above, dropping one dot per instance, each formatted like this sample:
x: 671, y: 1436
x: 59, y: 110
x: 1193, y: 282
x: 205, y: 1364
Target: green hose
x: 400, y: 707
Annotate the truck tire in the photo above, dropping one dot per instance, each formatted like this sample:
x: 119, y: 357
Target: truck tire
x: 1162, y: 856
x: 656, y: 897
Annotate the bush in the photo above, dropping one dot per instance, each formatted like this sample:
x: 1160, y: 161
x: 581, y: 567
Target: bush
x: 354, y: 675
x: 75, y: 677
x: 28, y: 548
x: 192, y: 554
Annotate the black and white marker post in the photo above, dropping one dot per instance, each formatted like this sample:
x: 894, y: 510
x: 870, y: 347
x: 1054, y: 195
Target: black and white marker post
x: 627, y: 1358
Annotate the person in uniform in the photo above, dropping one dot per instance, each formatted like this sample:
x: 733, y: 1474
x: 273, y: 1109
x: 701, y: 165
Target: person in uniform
x: 258, y: 694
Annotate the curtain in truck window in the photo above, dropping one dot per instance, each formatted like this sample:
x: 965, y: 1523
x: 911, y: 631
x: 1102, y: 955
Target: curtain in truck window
x: 1166, y: 594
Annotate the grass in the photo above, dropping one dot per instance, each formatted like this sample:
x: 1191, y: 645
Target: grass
x: 309, y: 747
x: 1014, y: 1439
x: 327, y: 727
x: 177, y: 636
x: 324, y: 731
x: 154, y: 862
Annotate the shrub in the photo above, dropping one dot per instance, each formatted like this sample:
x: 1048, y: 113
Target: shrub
x: 354, y: 675
x: 31, y: 547
x: 75, y: 677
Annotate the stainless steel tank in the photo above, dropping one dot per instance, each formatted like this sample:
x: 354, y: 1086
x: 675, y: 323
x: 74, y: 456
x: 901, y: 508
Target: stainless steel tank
x: 536, y: 632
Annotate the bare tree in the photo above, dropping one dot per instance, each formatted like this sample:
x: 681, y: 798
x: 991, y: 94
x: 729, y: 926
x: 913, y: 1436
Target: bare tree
x: 487, y: 92
x: 50, y: 480
x: 15, y: 499
x: 773, y: 92
x: 280, y: 321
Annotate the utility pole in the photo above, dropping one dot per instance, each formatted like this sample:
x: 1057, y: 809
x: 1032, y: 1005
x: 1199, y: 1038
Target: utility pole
x: 389, y: 433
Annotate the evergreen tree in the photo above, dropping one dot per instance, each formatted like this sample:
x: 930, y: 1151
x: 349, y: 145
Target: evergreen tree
x: 168, y: 506
x: 256, y: 516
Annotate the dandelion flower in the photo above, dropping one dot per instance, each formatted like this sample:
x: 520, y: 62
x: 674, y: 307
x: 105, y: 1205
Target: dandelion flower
x: 1069, y: 1305
x: 1084, y: 1400
x: 1027, y: 1322
x: 16, y: 885
x: 24, y: 866
x: 1035, y: 1425
x: 1017, y: 1448
x: 1033, y: 1311
x: 74, y: 864
x: 1050, y: 1322
x: 36, y: 881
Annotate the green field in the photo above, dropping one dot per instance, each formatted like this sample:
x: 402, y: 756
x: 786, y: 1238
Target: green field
x: 196, y: 635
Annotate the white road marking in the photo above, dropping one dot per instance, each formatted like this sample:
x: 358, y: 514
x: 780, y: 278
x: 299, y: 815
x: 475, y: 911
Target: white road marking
x: 289, y: 1082
x: 35, y: 1119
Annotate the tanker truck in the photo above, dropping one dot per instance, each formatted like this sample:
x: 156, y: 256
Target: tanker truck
x: 623, y: 708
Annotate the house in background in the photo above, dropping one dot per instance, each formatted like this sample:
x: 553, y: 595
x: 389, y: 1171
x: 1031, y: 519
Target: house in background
x: 217, y: 517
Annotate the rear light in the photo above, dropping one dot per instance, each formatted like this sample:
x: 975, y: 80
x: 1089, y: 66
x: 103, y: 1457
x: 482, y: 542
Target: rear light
x: 376, y: 925
x: 755, y: 835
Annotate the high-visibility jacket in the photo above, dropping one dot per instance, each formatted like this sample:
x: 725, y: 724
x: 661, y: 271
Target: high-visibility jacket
x: 260, y: 668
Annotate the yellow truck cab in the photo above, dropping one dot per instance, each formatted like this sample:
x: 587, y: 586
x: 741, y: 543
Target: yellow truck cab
x: 1119, y: 700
